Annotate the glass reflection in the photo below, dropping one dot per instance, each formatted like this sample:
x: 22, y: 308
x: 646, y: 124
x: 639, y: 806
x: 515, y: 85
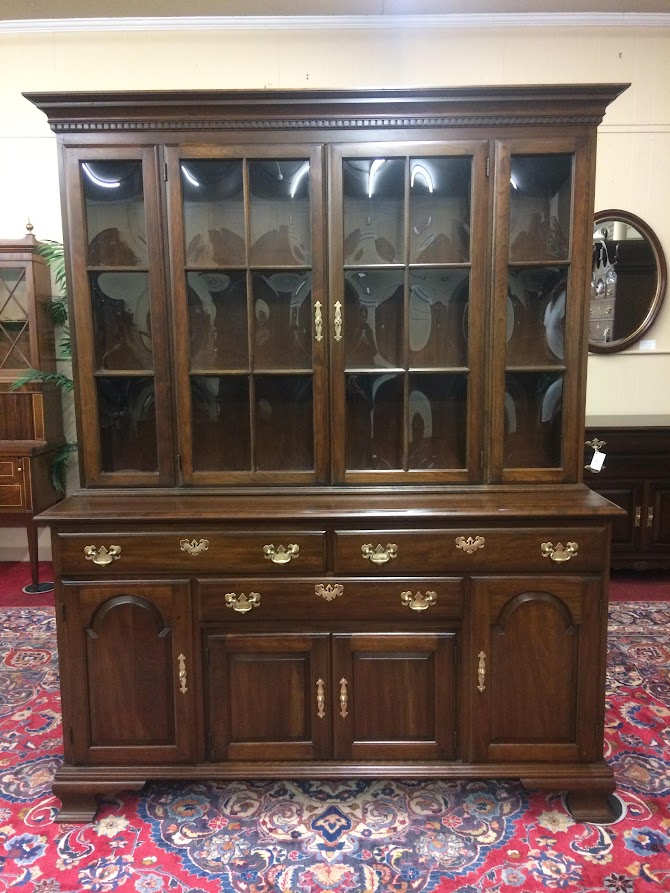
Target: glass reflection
x: 282, y: 334
x: 540, y: 207
x: 437, y: 420
x: 535, y: 322
x: 440, y: 210
x: 284, y: 435
x: 219, y: 406
x: 217, y: 320
x: 114, y: 205
x: 373, y: 318
x: 280, y: 212
x: 127, y: 414
x: 213, y: 202
x: 533, y: 418
x: 438, y: 309
x: 14, y: 325
x: 374, y: 200
x: 121, y: 320
x: 374, y: 421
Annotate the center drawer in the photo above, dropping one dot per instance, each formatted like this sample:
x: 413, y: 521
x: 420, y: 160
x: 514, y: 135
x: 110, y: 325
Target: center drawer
x: 193, y: 552
x: 344, y: 598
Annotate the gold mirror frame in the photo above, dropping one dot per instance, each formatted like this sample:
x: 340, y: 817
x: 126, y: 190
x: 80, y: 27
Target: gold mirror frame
x: 657, y: 294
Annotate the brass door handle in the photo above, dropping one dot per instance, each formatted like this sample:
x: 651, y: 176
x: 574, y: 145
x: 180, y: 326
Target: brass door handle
x: 638, y: 515
x: 418, y: 602
x: 650, y: 516
x: 379, y: 555
x: 182, y: 674
x: 194, y: 547
x: 559, y: 552
x: 281, y: 555
x: 242, y: 603
x: 320, y: 699
x: 344, y: 698
x: 481, y: 671
x: 338, y: 320
x: 102, y: 556
x: 318, y: 321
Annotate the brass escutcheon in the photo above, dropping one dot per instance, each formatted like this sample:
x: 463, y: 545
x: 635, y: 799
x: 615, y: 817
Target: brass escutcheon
x: 344, y: 698
x: 595, y: 444
x: 182, y: 674
x: 338, y: 320
x: 194, y: 547
x: 320, y: 699
x: 102, y: 556
x: 418, y: 602
x: 318, y: 321
x: 481, y: 671
x: 559, y: 552
x: 281, y: 555
x: 379, y: 555
x: 470, y: 545
x: 329, y: 591
x: 242, y: 602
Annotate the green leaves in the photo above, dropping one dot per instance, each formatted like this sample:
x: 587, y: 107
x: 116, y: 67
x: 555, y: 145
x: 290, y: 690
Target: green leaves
x: 31, y: 375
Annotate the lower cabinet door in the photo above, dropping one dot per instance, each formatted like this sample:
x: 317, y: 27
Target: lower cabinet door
x: 266, y: 696
x: 128, y: 691
x: 537, y: 680
x: 657, y: 519
x: 393, y: 696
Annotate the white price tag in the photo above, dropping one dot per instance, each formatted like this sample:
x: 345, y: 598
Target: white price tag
x: 597, y: 460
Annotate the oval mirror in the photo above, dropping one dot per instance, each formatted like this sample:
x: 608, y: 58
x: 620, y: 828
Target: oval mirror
x: 628, y: 280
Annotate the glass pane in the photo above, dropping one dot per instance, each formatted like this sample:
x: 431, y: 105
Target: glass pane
x: 437, y: 420
x: 374, y: 202
x: 121, y: 320
x: 280, y: 217
x: 373, y: 318
x: 284, y: 426
x: 282, y: 320
x: 374, y: 417
x: 438, y: 317
x: 14, y: 329
x: 213, y: 196
x: 536, y: 315
x: 114, y: 202
x: 217, y: 320
x: 439, y: 229
x: 540, y: 207
x: 127, y: 413
x: 221, y: 432
x: 533, y: 407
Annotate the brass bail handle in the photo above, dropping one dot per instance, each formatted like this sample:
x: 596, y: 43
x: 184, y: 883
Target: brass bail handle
x: 281, y: 554
x: 559, y: 552
x: 379, y: 554
x: 102, y: 556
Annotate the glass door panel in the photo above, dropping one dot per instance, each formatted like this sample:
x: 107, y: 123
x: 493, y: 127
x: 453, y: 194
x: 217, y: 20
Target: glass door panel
x: 115, y: 218
x: 404, y: 286
x: 250, y: 308
x: 540, y: 207
x: 14, y: 319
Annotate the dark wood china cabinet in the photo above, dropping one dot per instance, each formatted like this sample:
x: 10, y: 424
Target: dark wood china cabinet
x: 330, y: 365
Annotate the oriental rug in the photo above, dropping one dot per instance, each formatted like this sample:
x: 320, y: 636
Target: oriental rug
x: 352, y: 836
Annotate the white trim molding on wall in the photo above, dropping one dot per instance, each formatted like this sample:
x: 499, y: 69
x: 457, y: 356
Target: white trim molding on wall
x: 611, y: 20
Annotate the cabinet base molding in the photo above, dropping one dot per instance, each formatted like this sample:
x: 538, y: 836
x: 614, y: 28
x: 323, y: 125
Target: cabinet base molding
x: 588, y: 785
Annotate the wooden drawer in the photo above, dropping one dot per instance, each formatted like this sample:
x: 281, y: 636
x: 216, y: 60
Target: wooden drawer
x: 461, y: 550
x: 344, y: 598
x: 193, y: 552
x: 12, y: 493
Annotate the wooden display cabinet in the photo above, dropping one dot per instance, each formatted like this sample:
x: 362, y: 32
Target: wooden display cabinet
x: 30, y: 418
x: 330, y: 382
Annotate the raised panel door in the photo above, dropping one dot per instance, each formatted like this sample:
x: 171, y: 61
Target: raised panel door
x: 657, y: 518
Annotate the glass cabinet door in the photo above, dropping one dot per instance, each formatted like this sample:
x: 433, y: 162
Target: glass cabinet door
x: 249, y: 314
x: 407, y: 294
x: 15, y: 314
x: 121, y: 351
x: 537, y: 329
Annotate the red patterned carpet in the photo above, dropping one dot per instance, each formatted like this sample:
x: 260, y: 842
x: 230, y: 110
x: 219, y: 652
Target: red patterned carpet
x: 345, y: 837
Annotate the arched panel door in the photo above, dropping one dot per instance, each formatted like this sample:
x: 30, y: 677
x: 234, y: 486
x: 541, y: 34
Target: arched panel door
x: 537, y: 672
x: 134, y: 641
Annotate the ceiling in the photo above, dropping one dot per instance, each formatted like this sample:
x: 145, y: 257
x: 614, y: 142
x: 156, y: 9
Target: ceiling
x: 64, y: 9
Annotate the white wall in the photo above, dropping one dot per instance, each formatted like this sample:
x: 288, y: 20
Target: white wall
x: 633, y: 147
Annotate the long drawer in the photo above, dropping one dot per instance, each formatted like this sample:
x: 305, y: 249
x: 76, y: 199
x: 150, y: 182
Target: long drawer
x: 264, y: 551
x: 459, y: 550
x: 344, y: 598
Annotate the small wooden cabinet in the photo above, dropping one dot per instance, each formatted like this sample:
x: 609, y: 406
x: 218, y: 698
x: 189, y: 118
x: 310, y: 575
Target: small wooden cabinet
x: 635, y: 476
x: 330, y: 383
x: 30, y: 418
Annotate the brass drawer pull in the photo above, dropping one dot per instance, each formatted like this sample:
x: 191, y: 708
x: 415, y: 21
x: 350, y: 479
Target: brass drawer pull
x: 379, y: 555
x: 418, y: 602
x: 320, y: 699
x: 344, y: 698
x: 318, y: 321
x: 481, y: 671
x: 242, y: 602
x: 102, y: 556
x: 329, y: 591
x: 281, y: 555
x: 650, y: 516
x: 182, y: 674
x: 470, y: 545
x: 338, y: 320
x: 638, y: 515
x: 194, y: 547
x: 558, y: 552
x: 595, y: 444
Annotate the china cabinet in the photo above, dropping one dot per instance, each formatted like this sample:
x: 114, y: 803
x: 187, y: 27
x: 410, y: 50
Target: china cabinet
x: 30, y: 417
x: 330, y: 365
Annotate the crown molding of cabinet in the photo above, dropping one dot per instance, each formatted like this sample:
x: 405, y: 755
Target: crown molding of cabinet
x: 331, y: 22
